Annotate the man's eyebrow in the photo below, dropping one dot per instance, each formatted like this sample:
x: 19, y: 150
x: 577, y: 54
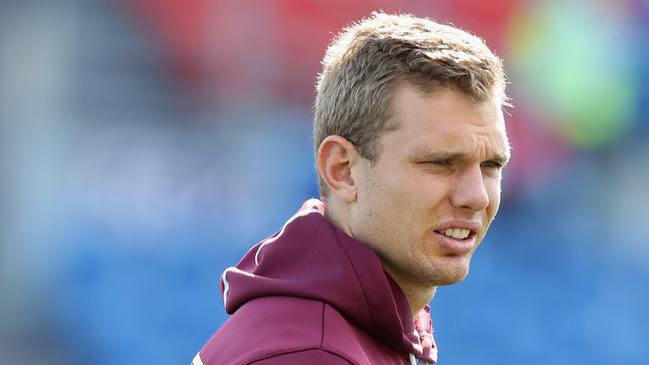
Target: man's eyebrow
x: 438, y: 155
x: 499, y: 157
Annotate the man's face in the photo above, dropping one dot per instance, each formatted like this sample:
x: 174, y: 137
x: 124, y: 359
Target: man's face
x: 427, y: 201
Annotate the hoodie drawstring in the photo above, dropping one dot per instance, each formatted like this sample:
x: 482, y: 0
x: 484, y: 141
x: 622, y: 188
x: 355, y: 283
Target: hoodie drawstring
x: 413, y: 360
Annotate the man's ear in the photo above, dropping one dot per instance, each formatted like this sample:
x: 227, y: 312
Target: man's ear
x: 336, y: 156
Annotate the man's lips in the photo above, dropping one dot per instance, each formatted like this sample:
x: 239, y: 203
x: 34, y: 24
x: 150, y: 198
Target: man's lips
x: 457, y: 237
x: 455, y: 246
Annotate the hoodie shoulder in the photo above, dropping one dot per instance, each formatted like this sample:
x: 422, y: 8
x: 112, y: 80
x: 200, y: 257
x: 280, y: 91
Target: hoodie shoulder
x: 270, y: 329
x: 310, y: 356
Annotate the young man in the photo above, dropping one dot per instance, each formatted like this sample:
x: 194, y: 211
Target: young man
x: 410, y: 142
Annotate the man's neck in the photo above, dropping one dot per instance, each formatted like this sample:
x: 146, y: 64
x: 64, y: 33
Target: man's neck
x: 417, y: 295
x: 334, y: 216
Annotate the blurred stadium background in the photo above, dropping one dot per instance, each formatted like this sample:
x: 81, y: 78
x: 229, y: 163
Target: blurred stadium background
x: 145, y: 145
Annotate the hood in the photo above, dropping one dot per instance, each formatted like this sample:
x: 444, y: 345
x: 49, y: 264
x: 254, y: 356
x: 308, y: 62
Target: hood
x: 311, y: 258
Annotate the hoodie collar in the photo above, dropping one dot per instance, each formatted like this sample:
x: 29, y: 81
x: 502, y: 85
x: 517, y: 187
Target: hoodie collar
x: 311, y: 258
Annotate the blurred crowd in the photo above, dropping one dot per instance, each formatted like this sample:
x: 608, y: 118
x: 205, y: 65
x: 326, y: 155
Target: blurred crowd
x: 146, y: 145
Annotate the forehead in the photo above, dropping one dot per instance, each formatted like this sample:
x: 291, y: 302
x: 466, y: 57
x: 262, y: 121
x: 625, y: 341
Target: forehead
x: 448, y: 120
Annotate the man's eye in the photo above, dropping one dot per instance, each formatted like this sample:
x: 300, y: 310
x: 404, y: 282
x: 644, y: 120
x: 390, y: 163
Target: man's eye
x: 439, y: 162
x: 492, y: 165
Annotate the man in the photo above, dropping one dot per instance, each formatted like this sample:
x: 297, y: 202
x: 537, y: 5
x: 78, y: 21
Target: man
x: 410, y: 142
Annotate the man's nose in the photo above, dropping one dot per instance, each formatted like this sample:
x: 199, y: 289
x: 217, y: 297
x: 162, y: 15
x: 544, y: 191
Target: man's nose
x: 470, y: 191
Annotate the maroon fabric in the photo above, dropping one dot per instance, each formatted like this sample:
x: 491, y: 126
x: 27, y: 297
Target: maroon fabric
x: 311, y: 290
x: 313, y: 356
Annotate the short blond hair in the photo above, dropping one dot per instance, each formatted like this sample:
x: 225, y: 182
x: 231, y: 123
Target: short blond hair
x: 366, y: 60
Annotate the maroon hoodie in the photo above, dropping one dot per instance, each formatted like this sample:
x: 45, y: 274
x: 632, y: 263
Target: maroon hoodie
x: 311, y: 294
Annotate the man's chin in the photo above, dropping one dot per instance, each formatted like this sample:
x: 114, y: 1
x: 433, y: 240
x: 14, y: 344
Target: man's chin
x: 450, y: 277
